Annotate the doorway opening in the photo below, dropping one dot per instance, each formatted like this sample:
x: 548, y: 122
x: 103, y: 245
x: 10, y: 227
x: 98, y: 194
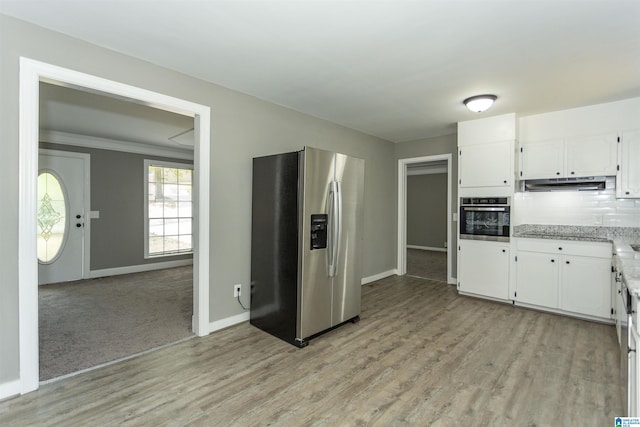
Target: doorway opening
x: 32, y: 73
x: 127, y: 297
x: 440, y: 164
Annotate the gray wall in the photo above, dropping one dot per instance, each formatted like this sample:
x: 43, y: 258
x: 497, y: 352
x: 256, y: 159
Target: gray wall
x: 447, y: 144
x: 427, y: 210
x: 117, y: 191
x: 241, y: 127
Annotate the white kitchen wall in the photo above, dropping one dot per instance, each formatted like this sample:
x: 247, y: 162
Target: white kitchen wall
x: 575, y: 208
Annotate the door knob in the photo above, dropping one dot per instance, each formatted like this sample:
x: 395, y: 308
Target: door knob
x: 78, y: 216
x: 78, y: 225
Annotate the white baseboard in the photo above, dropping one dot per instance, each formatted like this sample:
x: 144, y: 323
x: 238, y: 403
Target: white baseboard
x: 378, y: 276
x: 228, y: 321
x: 426, y: 248
x: 9, y: 389
x: 244, y: 317
x: 138, y: 268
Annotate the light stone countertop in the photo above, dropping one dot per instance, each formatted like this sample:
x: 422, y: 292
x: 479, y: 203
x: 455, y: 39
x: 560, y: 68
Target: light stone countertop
x: 621, y: 238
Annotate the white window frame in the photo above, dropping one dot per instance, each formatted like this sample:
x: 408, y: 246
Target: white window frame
x: 164, y: 164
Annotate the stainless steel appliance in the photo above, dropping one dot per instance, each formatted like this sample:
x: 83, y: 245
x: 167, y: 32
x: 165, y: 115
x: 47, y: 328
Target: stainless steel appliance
x: 485, y: 218
x: 306, y: 235
x: 588, y: 183
x: 627, y: 349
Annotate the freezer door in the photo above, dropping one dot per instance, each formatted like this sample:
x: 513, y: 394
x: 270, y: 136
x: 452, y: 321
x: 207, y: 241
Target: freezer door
x: 348, y: 277
x: 274, y: 245
x: 314, y: 286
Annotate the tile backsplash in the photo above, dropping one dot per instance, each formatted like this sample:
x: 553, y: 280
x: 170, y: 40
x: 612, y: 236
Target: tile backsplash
x: 575, y: 208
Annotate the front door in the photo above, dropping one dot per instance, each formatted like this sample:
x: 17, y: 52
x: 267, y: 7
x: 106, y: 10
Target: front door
x: 61, y: 216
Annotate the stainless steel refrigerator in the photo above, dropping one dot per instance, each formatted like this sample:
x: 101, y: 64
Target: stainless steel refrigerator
x: 306, y: 242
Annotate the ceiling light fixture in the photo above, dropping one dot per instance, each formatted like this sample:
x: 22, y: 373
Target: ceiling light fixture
x: 480, y: 103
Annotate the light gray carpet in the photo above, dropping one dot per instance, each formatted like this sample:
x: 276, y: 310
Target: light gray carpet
x: 427, y: 264
x: 89, y: 322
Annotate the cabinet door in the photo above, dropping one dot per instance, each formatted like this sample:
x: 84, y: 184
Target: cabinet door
x: 628, y: 182
x: 593, y: 155
x: 543, y: 159
x: 585, y: 285
x: 484, y: 268
x: 537, y: 279
x: 486, y: 165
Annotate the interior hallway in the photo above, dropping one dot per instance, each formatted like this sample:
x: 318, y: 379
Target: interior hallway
x: 427, y: 264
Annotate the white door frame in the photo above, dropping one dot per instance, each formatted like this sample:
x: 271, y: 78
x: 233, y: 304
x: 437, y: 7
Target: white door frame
x: 86, y: 203
x: 402, y: 211
x: 31, y: 74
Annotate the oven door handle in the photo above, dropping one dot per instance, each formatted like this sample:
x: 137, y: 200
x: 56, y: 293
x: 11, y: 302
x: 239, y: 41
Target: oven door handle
x: 485, y: 209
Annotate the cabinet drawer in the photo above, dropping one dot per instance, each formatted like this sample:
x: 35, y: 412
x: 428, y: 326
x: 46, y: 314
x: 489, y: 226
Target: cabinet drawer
x: 568, y: 247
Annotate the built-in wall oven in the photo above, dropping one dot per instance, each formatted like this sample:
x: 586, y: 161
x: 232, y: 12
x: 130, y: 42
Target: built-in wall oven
x: 485, y: 218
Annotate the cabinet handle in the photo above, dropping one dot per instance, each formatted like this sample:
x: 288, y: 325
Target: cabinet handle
x: 560, y: 248
x: 553, y: 260
x: 504, y: 250
x: 573, y: 173
x: 557, y: 173
x: 567, y: 262
x: 626, y: 192
x: 505, y: 181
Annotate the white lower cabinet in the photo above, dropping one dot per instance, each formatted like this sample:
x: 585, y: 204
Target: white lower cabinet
x: 483, y: 268
x: 585, y: 285
x: 537, y: 279
x: 574, y: 277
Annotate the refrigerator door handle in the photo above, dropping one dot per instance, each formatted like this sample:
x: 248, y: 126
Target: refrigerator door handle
x: 338, y: 226
x: 334, y: 227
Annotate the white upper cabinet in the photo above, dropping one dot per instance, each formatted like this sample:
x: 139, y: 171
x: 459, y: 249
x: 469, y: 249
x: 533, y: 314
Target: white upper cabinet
x: 593, y: 155
x: 491, y: 129
x: 570, y: 157
x: 577, y: 142
x: 486, y: 165
x: 486, y: 155
x: 543, y: 159
x: 628, y: 179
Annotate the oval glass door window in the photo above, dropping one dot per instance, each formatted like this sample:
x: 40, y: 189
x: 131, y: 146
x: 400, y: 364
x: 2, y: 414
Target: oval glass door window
x: 52, y: 217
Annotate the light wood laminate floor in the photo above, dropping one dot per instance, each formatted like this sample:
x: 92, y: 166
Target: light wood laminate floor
x: 420, y: 356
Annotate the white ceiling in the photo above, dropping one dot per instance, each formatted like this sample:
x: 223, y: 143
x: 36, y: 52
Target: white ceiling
x: 396, y: 69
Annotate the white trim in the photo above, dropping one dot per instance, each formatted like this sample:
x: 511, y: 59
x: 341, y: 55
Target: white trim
x: 78, y: 140
x: 145, y: 203
x: 31, y: 74
x: 27, y: 254
x: 86, y: 206
x: 427, y: 171
x: 9, y: 389
x: 115, y: 271
x: 378, y: 276
x: 228, y: 321
x: 426, y: 248
x: 402, y: 211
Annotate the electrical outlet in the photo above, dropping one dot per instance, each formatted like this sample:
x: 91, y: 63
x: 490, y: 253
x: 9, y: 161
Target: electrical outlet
x: 236, y: 290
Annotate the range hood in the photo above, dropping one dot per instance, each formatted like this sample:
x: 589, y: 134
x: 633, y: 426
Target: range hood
x: 566, y: 184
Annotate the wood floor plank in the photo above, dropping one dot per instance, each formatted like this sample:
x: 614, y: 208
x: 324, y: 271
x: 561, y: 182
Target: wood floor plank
x: 421, y: 355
